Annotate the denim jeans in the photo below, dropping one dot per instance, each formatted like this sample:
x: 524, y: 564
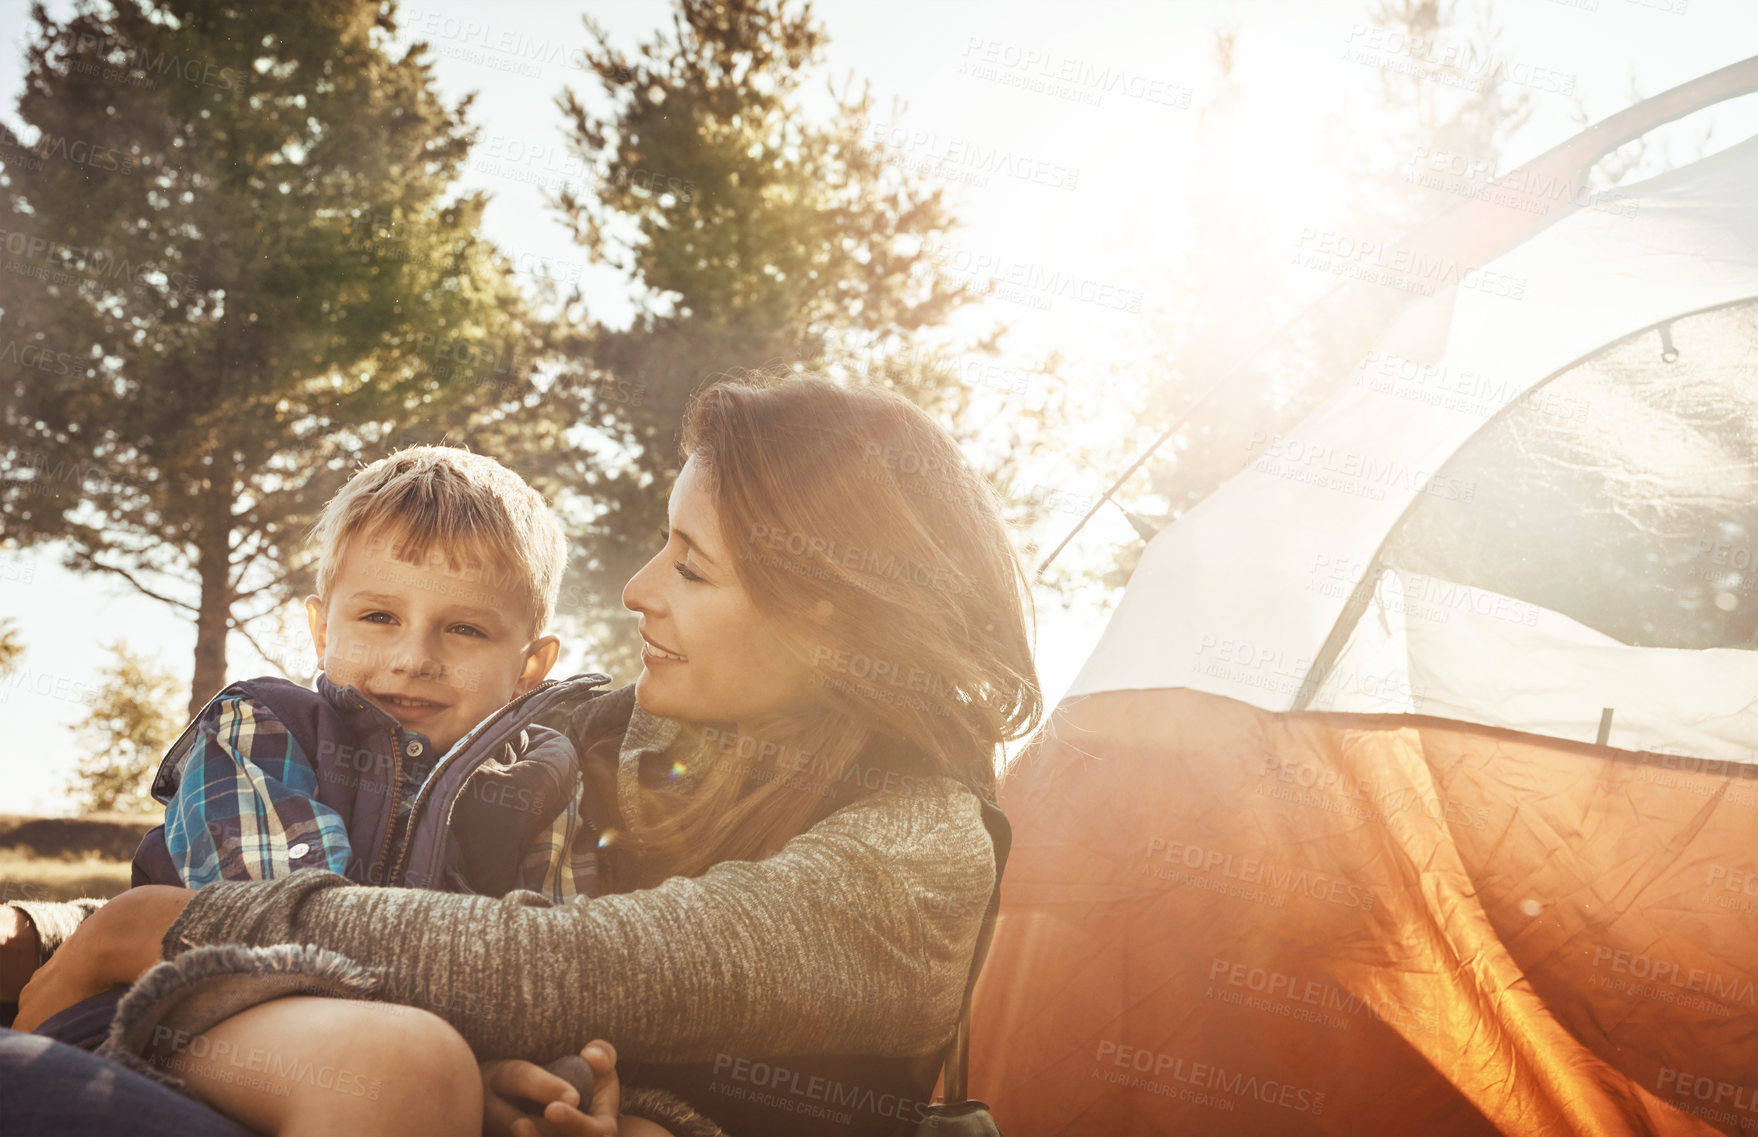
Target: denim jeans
x: 56, y: 1090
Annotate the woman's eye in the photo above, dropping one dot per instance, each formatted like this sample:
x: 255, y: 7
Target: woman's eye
x: 684, y: 571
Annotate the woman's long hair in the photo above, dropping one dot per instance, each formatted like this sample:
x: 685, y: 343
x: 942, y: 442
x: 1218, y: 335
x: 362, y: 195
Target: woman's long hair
x: 861, y: 532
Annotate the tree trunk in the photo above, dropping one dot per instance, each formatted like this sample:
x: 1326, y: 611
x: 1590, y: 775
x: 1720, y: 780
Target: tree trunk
x: 213, y: 617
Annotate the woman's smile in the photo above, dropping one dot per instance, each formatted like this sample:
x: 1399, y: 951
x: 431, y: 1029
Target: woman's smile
x: 652, y: 653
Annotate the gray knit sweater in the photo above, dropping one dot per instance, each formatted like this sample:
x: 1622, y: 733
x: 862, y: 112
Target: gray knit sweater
x: 855, y: 938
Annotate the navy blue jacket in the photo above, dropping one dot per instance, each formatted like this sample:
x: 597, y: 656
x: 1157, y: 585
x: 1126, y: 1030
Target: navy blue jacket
x: 475, y: 816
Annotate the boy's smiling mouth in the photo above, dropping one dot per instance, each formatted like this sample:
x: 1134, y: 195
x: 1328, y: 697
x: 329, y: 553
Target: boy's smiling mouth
x: 412, y: 705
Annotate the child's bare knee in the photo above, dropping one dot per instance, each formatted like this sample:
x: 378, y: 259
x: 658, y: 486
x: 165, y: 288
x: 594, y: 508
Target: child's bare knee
x: 422, y: 1048
x: 433, y: 1040
x: 416, y: 1063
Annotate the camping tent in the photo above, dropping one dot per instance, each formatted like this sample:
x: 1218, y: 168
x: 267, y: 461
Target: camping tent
x: 1413, y: 785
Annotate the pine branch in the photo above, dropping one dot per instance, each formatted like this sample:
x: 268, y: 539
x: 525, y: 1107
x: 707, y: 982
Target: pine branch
x: 99, y: 566
x: 238, y: 627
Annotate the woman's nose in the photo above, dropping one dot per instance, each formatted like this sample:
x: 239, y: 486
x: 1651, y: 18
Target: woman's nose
x: 641, y: 594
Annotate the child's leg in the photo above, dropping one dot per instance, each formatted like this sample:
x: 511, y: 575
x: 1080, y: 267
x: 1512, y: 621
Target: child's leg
x: 310, y: 1067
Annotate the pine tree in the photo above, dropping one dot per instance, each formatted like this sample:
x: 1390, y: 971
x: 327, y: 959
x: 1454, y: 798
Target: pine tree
x: 757, y: 235
x: 236, y: 266
x: 131, y: 721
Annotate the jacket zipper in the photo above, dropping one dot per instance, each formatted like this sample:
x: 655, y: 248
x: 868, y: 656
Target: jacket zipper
x: 396, y: 788
x: 458, y: 752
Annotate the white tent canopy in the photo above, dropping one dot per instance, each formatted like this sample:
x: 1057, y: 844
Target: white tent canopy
x: 1276, y: 591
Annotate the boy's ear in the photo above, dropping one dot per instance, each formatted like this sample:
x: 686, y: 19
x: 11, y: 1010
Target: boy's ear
x: 539, y: 658
x: 314, y: 619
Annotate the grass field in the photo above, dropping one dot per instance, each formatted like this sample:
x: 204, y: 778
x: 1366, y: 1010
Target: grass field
x: 64, y: 858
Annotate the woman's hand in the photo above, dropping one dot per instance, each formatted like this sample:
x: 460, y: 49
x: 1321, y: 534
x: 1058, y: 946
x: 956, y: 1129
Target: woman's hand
x: 511, y: 1087
x: 113, y: 946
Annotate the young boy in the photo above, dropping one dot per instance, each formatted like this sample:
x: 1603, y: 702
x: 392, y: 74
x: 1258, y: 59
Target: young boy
x: 437, y: 573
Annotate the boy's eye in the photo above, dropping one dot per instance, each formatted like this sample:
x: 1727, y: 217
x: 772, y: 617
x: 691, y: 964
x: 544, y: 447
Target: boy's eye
x: 378, y: 617
x: 468, y: 630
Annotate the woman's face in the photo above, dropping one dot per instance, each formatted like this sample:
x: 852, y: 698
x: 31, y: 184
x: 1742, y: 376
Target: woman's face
x: 708, y: 654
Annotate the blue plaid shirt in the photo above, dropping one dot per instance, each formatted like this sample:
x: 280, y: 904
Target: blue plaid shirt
x: 247, y: 809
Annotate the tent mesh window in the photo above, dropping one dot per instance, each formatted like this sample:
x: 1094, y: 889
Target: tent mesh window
x: 1623, y: 493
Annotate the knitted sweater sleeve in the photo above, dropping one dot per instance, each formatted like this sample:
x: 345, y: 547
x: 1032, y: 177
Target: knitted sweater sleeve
x: 855, y: 938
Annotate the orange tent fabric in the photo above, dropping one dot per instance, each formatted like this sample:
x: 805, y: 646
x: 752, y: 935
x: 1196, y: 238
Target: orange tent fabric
x: 1218, y: 919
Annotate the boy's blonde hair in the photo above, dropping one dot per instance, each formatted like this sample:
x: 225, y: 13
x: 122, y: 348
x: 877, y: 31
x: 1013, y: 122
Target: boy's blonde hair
x: 447, y: 500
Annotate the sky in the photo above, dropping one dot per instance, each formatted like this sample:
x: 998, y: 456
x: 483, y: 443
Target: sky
x: 1050, y: 169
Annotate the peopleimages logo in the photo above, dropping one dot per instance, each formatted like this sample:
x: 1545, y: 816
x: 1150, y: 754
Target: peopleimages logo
x: 1322, y: 994
x: 1080, y: 80
x: 1251, y: 870
x: 1449, y: 61
x: 1725, y: 988
x: 790, y: 1090
x: 1150, y: 1066
x: 1356, y: 472
x: 286, y: 1068
x: 90, y: 263
x: 982, y: 273
x: 1713, y: 1091
x: 35, y: 357
x: 202, y: 72
x: 928, y: 153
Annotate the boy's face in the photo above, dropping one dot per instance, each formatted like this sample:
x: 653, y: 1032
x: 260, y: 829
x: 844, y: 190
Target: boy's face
x: 437, y: 646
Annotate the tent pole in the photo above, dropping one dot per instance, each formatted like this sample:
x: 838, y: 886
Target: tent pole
x: 1136, y: 465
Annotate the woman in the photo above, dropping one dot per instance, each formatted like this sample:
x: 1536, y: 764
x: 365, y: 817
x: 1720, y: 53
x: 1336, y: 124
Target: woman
x: 835, y: 644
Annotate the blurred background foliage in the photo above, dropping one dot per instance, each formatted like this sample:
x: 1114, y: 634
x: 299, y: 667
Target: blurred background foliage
x: 289, y: 282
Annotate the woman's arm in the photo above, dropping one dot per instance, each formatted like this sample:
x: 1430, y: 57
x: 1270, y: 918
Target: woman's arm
x: 855, y: 938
